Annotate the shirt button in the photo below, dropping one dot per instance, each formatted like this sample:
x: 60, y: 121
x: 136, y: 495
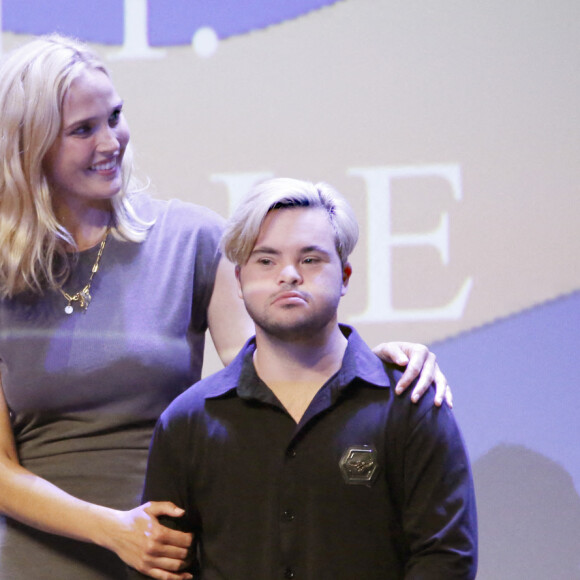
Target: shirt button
x: 288, y: 515
x: 289, y: 573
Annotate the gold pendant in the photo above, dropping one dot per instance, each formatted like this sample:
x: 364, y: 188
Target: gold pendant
x: 84, y: 298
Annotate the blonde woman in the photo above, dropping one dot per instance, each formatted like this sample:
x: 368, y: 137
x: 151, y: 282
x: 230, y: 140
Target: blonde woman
x: 105, y: 298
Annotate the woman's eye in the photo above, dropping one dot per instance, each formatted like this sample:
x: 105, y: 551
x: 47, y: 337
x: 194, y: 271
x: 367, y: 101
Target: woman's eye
x: 82, y: 130
x: 115, y: 117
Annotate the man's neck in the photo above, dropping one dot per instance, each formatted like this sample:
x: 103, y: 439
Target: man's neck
x: 295, y: 371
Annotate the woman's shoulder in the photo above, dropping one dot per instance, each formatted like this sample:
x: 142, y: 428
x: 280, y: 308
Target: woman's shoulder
x: 175, y: 212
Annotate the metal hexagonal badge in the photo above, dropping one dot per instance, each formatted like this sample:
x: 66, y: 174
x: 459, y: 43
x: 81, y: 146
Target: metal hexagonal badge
x: 359, y: 465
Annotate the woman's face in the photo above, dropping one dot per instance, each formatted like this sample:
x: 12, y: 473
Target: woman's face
x: 83, y: 166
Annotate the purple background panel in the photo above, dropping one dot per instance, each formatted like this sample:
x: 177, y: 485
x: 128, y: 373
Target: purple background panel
x: 170, y: 22
x: 515, y: 381
x: 100, y: 22
x: 174, y: 23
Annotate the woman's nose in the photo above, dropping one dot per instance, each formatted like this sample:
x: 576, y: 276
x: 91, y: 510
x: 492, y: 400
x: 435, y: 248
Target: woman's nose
x: 108, y: 140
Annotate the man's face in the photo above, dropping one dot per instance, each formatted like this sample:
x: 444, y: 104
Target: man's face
x: 293, y: 280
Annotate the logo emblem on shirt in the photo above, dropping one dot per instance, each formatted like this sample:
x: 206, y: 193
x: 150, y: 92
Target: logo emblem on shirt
x: 359, y: 465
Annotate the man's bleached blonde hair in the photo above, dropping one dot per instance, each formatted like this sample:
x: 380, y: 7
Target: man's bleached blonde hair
x: 243, y: 228
x: 34, y: 79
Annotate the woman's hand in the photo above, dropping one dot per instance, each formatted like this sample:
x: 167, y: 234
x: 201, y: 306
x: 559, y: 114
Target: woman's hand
x: 419, y: 362
x: 143, y: 543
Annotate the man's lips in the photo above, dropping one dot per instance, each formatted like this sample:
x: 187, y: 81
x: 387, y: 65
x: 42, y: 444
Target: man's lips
x: 289, y: 297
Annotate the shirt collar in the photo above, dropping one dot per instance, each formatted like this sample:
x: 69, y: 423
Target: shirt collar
x: 359, y: 362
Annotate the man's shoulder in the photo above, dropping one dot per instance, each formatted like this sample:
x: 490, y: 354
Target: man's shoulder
x: 192, y: 400
x: 372, y: 370
x: 360, y: 361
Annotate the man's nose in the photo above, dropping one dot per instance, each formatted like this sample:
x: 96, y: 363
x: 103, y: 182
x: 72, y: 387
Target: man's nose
x: 290, y: 274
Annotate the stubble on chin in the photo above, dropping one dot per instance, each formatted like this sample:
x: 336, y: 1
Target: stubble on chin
x: 291, y: 327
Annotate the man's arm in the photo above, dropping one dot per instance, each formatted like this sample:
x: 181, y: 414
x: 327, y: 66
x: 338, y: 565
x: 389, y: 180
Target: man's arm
x: 166, y: 477
x: 437, y: 499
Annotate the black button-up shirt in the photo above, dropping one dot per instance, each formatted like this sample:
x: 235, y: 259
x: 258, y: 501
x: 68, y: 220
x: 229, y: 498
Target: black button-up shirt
x: 367, y: 486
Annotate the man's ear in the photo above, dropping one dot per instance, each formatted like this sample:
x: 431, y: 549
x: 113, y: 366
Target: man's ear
x: 237, y: 271
x: 346, y: 274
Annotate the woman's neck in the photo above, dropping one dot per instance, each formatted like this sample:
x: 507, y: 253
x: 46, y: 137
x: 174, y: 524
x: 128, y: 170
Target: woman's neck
x: 87, y: 227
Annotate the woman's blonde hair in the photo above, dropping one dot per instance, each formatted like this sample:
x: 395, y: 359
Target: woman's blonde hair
x: 33, y: 82
x: 243, y: 227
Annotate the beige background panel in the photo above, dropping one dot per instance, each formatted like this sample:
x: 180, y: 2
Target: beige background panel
x: 490, y: 88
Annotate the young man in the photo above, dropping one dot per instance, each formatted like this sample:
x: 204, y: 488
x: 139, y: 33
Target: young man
x: 298, y: 460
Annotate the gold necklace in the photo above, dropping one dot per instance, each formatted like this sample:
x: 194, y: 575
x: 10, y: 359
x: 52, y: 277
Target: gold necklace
x: 83, y: 297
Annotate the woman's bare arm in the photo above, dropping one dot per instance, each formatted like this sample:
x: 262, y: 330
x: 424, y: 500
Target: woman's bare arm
x: 135, y: 536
